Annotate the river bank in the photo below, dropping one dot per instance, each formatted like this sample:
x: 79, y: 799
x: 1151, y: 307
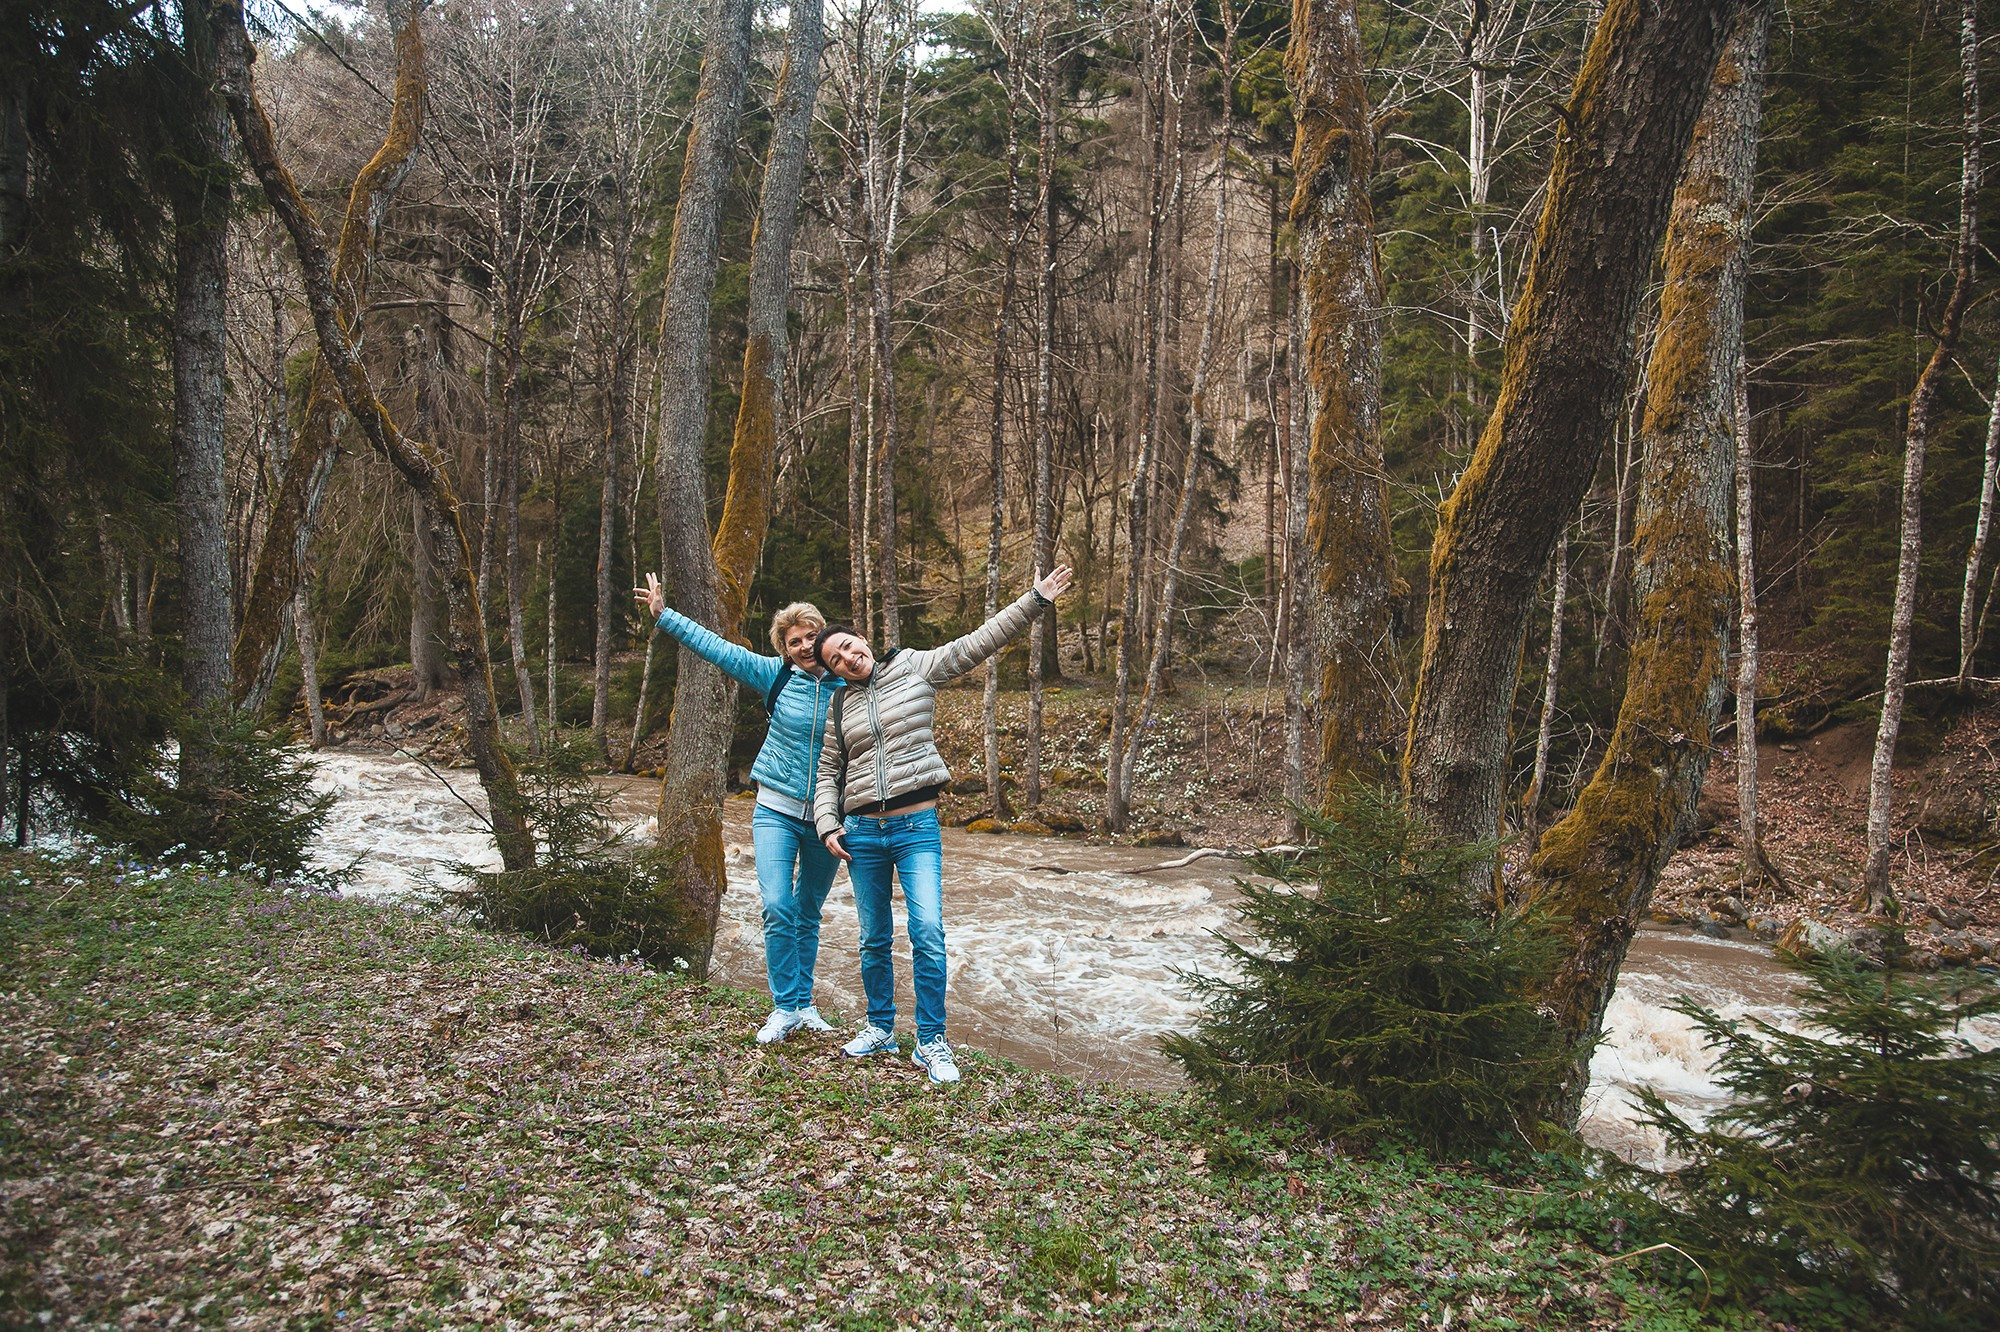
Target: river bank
x: 1210, y: 774
x: 234, y: 1106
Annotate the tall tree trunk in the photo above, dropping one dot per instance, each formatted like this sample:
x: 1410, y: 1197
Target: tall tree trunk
x: 996, y: 456
x: 510, y: 499
x: 201, y: 292
x: 1531, y: 804
x: 295, y: 504
x: 1567, y: 361
x: 1969, y: 618
x: 884, y: 204
x: 746, y: 508
x: 698, y: 734
x: 1298, y: 643
x: 308, y: 636
x: 1156, y: 667
x: 1746, y: 636
x: 422, y: 466
x: 617, y: 430
x: 1340, y: 294
x: 427, y: 667
x: 1138, y: 504
x: 859, y: 457
x: 1923, y: 406
x: 1049, y: 109
x: 1594, y: 871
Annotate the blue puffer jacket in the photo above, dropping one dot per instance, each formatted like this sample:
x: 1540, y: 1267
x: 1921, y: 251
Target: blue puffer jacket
x: 787, y: 762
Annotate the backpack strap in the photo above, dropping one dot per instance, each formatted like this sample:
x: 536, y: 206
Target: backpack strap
x: 785, y: 674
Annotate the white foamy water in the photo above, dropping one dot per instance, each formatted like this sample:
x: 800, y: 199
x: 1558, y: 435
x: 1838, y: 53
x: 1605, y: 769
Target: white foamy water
x: 1075, y: 972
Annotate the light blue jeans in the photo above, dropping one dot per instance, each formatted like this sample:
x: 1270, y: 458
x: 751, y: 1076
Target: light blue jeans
x: 908, y: 847
x: 794, y: 871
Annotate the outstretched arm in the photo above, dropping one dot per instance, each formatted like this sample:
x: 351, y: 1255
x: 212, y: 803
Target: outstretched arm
x: 736, y: 661
x: 962, y: 654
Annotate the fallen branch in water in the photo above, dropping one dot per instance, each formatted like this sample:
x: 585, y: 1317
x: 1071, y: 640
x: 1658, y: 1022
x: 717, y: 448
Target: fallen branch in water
x: 1199, y: 853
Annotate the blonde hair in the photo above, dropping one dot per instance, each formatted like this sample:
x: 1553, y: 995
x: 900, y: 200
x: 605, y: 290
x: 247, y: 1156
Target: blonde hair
x: 799, y: 612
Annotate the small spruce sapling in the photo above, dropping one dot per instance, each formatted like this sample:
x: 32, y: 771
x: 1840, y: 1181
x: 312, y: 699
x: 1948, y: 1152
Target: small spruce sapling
x: 1860, y: 1158
x: 1377, y: 1002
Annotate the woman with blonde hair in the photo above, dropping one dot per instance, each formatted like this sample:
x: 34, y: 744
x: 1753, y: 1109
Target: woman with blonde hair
x: 794, y: 870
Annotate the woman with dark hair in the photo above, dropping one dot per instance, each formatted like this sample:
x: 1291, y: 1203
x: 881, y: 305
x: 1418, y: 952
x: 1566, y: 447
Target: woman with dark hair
x: 794, y: 871
x: 875, y: 806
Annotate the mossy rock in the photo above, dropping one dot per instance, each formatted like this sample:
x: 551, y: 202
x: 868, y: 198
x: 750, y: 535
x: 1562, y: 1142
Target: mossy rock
x: 1159, y: 837
x: 1031, y: 828
x: 986, y: 826
x: 1065, y: 823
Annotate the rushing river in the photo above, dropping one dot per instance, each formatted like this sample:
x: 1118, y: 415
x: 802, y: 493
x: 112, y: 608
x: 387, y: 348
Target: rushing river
x: 1077, y: 971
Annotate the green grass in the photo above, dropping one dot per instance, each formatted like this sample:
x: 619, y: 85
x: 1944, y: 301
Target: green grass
x: 252, y: 1109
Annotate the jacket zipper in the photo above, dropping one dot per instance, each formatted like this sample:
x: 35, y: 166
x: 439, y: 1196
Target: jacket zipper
x: 881, y: 763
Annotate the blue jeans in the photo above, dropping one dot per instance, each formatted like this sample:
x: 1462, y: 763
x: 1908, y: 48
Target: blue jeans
x: 907, y: 846
x: 792, y: 901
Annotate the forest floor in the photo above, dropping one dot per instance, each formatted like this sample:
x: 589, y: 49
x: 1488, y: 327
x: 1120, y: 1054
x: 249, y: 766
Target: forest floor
x: 234, y: 1106
x: 1210, y: 774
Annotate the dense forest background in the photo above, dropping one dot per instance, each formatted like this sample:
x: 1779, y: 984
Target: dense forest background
x: 1043, y: 247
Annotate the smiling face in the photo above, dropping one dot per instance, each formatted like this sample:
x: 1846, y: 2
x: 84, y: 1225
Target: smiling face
x: 799, y: 647
x: 848, y: 656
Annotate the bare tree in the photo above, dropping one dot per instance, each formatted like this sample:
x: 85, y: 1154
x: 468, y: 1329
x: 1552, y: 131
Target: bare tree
x: 421, y: 466
x: 1971, y: 622
x: 1916, y: 440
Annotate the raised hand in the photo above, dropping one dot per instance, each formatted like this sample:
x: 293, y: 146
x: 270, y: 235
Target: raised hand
x: 652, y: 596
x: 1055, y: 583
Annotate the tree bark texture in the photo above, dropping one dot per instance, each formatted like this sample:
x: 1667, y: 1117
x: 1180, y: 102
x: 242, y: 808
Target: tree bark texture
x: 1746, y: 636
x: 201, y: 292
x: 1594, y: 871
x: 295, y: 502
x: 746, y: 508
x: 1049, y: 107
x: 425, y: 469
x: 1566, y: 364
x: 996, y: 458
x: 1350, y: 559
x: 1923, y: 409
x: 698, y: 732
x: 1531, y: 804
x: 1969, y: 618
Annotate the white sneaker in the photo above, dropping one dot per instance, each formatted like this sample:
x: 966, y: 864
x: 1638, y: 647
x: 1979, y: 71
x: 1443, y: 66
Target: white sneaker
x: 935, y: 1058
x: 810, y: 1020
x: 872, y: 1040
x: 782, y: 1023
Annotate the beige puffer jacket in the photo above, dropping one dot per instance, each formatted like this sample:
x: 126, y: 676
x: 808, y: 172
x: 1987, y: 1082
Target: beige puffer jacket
x: 884, y: 746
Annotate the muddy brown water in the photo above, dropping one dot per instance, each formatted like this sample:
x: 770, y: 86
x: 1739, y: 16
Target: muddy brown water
x: 1076, y: 972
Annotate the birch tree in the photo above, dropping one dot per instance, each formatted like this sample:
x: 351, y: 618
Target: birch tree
x: 1971, y: 620
x: 1916, y: 441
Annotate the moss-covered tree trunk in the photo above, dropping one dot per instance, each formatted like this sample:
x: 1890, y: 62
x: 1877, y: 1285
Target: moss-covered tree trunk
x: 295, y: 502
x: 1350, y: 564
x: 1594, y: 871
x: 1566, y: 366
x: 746, y: 506
x: 422, y: 466
x: 698, y: 732
x: 1916, y: 442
